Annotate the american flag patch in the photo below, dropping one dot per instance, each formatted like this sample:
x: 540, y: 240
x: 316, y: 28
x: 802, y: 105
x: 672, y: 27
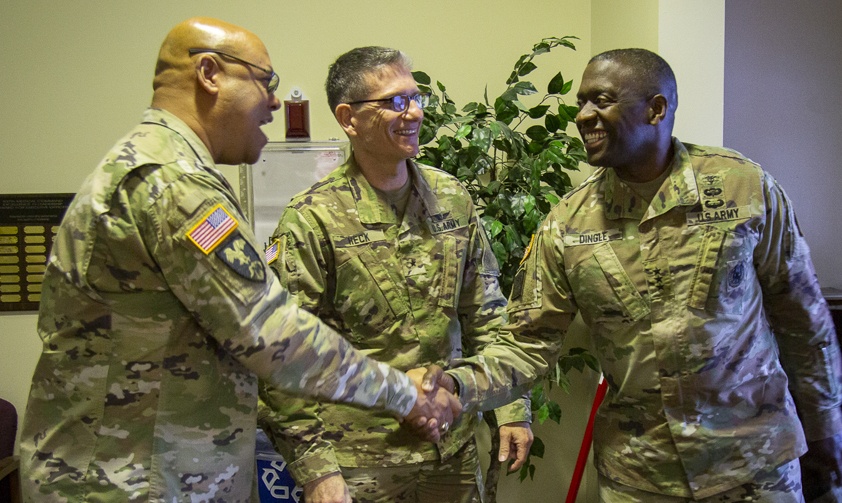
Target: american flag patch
x: 215, y: 227
x: 273, y: 251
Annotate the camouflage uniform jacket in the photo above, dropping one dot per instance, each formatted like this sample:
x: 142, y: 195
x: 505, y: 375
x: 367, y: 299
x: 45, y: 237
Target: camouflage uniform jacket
x: 696, y: 304
x: 412, y: 292
x: 147, y: 386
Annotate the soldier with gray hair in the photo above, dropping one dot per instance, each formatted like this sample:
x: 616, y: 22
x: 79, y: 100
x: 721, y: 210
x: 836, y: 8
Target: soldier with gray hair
x: 393, y: 256
x: 158, y: 315
x: 688, y: 267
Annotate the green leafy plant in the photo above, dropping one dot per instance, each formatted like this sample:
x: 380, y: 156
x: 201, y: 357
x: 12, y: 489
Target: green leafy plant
x: 513, y: 158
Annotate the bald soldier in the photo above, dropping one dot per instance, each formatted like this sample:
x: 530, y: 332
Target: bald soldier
x: 158, y: 315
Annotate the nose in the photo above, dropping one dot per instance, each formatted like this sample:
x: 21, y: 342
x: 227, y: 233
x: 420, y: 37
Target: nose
x: 414, y: 111
x: 586, y: 113
x: 274, y: 102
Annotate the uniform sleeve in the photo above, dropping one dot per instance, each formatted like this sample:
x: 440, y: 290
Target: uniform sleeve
x: 293, y: 424
x: 799, y: 316
x: 482, y: 311
x: 540, y: 310
x: 225, y: 284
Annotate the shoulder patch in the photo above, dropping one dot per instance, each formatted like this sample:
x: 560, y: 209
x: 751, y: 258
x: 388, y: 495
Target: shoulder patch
x: 242, y: 258
x: 273, y: 251
x: 214, y: 227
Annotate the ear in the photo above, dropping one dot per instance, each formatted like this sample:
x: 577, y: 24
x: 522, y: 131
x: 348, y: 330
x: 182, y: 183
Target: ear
x: 208, y: 74
x: 658, y: 107
x: 345, y: 117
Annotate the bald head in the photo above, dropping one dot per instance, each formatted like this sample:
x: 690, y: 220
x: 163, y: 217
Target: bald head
x: 222, y: 90
x: 174, y: 67
x: 652, y: 74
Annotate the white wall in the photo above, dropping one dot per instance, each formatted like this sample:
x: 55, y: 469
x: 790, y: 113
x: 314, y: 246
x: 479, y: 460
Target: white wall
x: 782, y: 109
x: 691, y: 37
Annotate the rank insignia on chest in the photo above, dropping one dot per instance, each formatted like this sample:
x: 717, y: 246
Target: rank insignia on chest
x: 273, y: 251
x: 216, y: 225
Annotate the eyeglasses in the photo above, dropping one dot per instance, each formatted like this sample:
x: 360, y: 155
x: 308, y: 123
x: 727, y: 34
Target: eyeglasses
x: 400, y: 103
x: 274, y: 80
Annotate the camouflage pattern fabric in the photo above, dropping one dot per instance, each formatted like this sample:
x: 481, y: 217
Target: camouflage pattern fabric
x: 158, y: 316
x: 411, y: 292
x: 456, y: 480
x: 690, y: 301
x: 780, y: 484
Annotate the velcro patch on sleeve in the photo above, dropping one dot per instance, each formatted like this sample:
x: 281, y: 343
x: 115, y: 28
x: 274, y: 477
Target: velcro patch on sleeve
x: 273, y: 251
x: 214, y: 227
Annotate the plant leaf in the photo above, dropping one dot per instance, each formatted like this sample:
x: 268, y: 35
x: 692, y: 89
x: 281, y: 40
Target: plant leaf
x: 481, y: 138
x: 526, y: 68
x: 524, y: 88
x: 538, y: 111
x: 463, y: 131
x: 556, y: 84
x: 567, y: 87
x: 552, y: 123
x: 537, y: 133
x: 421, y: 78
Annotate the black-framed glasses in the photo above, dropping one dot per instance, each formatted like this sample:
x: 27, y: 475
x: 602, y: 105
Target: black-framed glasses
x: 274, y: 80
x: 400, y: 103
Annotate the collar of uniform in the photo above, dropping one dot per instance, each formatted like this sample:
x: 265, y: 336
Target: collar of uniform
x: 369, y: 208
x: 678, y: 189
x: 170, y: 121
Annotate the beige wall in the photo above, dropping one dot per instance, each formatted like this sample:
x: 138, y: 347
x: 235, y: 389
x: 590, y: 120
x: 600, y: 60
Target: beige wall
x: 77, y: 75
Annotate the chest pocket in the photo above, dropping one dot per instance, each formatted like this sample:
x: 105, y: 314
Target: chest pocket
x: 367, y: 297
x: 723, y: 272
x: 605, y: 293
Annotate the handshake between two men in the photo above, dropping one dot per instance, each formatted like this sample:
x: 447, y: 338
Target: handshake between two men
x: 437, y: 406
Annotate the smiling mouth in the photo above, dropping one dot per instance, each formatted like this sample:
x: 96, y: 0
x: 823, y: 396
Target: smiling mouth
x: 594, y: 137
x: 406, y: 132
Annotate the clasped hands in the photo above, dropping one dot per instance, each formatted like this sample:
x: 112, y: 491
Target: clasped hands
x: 437, y: 407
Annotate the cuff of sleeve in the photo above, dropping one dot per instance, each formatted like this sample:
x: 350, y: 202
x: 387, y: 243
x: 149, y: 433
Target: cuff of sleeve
x: 402, y: 393
x: 823, y: 424
x: 314, y: 465
x: 518, y: 411
x: 465, y: 382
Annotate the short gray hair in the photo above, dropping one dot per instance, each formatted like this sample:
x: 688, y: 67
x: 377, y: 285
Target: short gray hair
x: 346, y: 77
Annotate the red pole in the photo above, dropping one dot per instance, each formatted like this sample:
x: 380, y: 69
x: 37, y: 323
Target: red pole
x: 601, y: 389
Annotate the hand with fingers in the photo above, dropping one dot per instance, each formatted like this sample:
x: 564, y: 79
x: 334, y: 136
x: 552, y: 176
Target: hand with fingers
x: 821, y: 467
x: 515, y: 441
x: 437, y: 408
x: 330, y: 488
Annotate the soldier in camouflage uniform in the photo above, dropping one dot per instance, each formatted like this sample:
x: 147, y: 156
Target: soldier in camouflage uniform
x: 158, y: 315
x: 393, y: 256
x: 688, y: 267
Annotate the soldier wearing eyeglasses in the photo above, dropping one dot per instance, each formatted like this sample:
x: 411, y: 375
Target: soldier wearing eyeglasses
x: 393, y: 256
x: 158, y: 314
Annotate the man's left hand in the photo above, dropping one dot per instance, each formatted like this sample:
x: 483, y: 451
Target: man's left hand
x: 515, y: 441
x: 822, y: 465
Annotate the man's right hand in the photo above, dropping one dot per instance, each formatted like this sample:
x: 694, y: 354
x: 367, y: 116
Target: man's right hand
x: 330, y: 488
x: 436, y: 408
